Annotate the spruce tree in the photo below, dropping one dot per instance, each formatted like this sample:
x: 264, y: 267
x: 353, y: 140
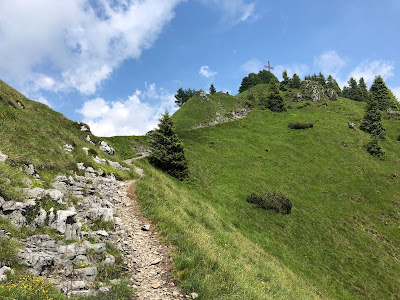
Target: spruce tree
x: 321, y: 79
x: 331, y: 83
x: 167, y: 149
x: 354, y: 91
x: 374, y: 148
x: 275, y: 101
x: 295, y: 82
x: 372, y: 122
x: 382, y: 94
x: 182, y: 96
x: 363, y: 88
x: 212, y: 89
x: 285, y: 83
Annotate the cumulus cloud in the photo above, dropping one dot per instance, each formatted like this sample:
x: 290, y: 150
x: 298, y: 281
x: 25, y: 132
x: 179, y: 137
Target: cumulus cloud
x: 234, y: 11
x: 206, y: 72
x: 369, y: 69
x: 252, y: 66
x: 80, y: 41
x: 131, y: 116
x: 330, y: 62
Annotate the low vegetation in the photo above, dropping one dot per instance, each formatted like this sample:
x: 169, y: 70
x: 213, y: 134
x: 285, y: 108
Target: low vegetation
x: 275, y: 201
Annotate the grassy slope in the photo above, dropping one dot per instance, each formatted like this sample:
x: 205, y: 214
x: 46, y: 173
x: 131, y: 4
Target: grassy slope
x: 342, y: 237
x: 37, y: 134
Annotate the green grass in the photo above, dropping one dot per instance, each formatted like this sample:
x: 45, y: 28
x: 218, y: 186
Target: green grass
x: 339, y: 242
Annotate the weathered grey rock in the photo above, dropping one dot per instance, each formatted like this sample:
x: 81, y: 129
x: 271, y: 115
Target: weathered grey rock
x: 99, y: 160
x: 311, y: 90
x: 352, y: 126
x: 105, y: 214
x: 90, y: 170
x: 146, y: 227
x: 17, y: 218
x: 39, y: 193
x: 63, y: 218
x: 116, y: 165
x: 69, y: 252
x: 106, y: 148
x: 30, y: 169
x: 8, y: 206
x: 194, y: 295
x: 203, y: 96
x: 4, y: 234
x: 81, y: 166
x: 3, y: 277
x: 41, y: 262
x: 73, y: 231
x: 332, y: 94
x: 109, y: 260
x: 86, y: 150
x: 393, y: 112
x: 3, y: 157
x: 88, y: 274
x: 84, y: 128
x: 81, y: 259
x: 68, y: 148
x: 98, y: 248
x: 4, y: 270
x: 40, y: 220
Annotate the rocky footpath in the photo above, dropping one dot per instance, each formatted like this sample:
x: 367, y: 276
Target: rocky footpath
x: 91, y: 216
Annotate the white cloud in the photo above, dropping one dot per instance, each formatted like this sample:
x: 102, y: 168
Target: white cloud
x: 206, y: 72
x: 80, y: 42
x: 252, y: 66
x: 299, y: 69
x: 396, y: 92
x: 369, y: 69
x: 43, y: 100
x: 330, y: 63
x: 234, y: 11
x: 132, y: 116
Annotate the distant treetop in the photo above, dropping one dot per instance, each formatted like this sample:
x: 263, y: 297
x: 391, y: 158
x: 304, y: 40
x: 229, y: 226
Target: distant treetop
x: 253, y: 79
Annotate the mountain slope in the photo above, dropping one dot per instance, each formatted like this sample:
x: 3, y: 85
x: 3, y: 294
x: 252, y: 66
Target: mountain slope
x: 341, y: 240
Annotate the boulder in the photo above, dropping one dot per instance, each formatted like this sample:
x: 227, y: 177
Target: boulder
x: 106, y: 148
x: 105, y: 214
x: 116, y: 165
x: 88, y: 274
x: 41, y: 262
x: 73, y: 231
x: 86, y: 150
x: 17, y: 218
x: 30, y: 169
x: 63, y: 218
x: 203, y: 96
x: 68, y: 148
x: 352, y: 126
x: 3, y: 157
x: 332, y: 94
x: 85, y: 128
x: 99, y: 160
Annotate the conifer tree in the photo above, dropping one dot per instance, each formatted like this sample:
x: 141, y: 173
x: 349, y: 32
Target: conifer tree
x: 295, y: 82
x: 363, y: 89
x: 212, y: 89
x: 285, y: 83
x: 382, y: 94
x: 372, y: 122
x: 374, y: 148
x: 331, y: 83
x: 275, y: 101
x: 354, y: 91
x: 167, y: 149
x: 182, y: 96
x: 321, y: 79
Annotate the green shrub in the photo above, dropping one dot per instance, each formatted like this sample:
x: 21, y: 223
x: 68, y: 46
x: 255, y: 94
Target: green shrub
x: 9, y: 248
x: 92, y: 152
x: 300, y: 125
x: 275, y: 201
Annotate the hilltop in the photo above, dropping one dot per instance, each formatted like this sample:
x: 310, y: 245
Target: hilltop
x: 340, y: 240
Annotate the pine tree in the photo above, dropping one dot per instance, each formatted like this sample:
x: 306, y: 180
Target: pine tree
x: 182, y: 96
x: 363, y: 88
x: 321, y: 79
x: 372, y: 121
x: 285, y: 83
x: 374, y: 148
x: 275, y: 101
x: 212, y: 89
x: 295, y: 82
x: 167, y: 149
x: 354, y: 91
x: 382, y: 94
x: 332, y: 84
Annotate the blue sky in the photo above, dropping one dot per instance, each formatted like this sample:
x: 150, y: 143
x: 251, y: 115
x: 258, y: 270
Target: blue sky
x: 116, y: 64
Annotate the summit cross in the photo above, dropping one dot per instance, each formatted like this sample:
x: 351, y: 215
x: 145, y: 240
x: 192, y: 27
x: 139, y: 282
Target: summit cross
x: 269, y: 67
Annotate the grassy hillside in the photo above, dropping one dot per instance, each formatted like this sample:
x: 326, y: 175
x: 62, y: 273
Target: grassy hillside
x: 341, y: 240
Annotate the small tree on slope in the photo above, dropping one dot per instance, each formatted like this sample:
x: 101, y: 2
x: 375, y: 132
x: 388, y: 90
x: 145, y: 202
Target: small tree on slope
x: 275, y: 101
x: 372, y: 122
x: 168, y: 151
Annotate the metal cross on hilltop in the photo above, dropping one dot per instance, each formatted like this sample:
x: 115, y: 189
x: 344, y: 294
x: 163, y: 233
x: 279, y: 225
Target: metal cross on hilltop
x: 269, y: 67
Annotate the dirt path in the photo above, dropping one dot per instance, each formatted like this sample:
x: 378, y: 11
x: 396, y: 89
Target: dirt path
x: 147, y: 258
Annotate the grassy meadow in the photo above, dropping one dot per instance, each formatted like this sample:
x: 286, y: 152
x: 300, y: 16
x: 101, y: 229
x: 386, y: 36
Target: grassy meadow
x: 341, y: 240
